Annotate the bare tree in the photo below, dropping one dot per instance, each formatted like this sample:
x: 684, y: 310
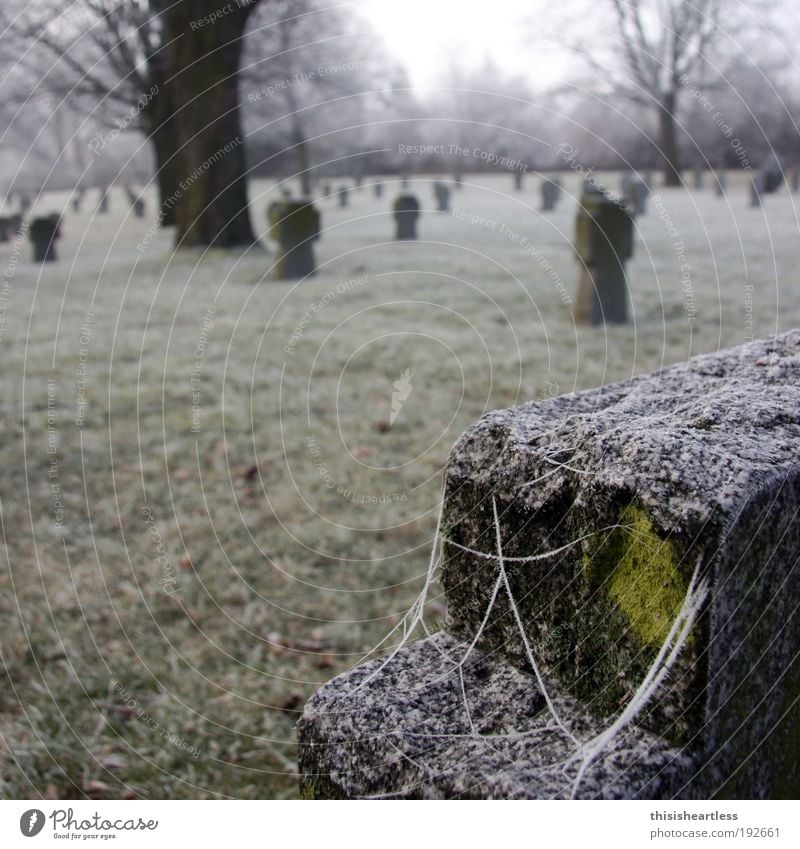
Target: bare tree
x: 170, y: 69
x: 102, y: 58
x: 656, y: 46
x: 311, y: 67
x: 663, y: 42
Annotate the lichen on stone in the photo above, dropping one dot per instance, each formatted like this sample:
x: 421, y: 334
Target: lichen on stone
x: 638, y: 570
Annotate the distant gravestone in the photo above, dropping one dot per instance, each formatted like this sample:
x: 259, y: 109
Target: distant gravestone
x: 442, y: 192
x: 10, y: 226
x: 102, y: 205
x: 24, y: 202
x: 551, y: 192
x: 771, y: 176
x: 404, y: 178
x: 377, y: 190
x: 793, y: 179
x: 43, y: 233
x: 406, y: 213
x: 344, y: 196
x: 77, y: 199
x: 295, y: 225
x: 698, y: 178
x: 136, y: 202
x: 756, y: 189
x: 457, y: 178
x: 640, y: 195
x: 636, y: 194
x: 603, y: 244
x: 720, y: 183
x: 326, y: 190
x: 518, y: 180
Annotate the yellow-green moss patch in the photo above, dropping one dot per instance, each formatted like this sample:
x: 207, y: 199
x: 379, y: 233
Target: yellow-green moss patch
x: 639, y: 572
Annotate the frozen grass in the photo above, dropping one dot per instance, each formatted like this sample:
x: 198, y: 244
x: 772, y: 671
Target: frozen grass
x: 271, y: 580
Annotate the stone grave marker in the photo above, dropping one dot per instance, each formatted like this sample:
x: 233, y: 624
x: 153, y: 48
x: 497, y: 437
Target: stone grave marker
x: 772, y: 176
x: 136, y: 202
x: 442, y: 193
x: 551, y: 193
x: 43, y: 233
x: 295, y: 226
x: 756, y: 186
x: 635, y: 192
x: 406, y: 213
x: 620, y: 568
x: 603, y: 244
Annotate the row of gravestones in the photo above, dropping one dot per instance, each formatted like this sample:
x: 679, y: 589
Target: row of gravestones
x: 45, y: 231
x: 603, y: 239
x: 766, y: 181
x: 603, y: 236
x: 103, y: 205
x: 295, y: 224
x: 550, y: 189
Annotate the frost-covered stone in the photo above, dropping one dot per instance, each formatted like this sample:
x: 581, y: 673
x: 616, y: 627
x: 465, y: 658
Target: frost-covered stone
x: 407, y: 734
x: 637, y: 486
x: 577, y: 533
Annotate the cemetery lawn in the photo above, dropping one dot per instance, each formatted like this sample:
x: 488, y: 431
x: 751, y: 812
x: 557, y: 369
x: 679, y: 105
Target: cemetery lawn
x: 206, y: 509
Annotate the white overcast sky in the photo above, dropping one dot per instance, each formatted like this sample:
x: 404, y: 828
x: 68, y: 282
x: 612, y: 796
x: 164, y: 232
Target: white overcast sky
x: 425, y: 33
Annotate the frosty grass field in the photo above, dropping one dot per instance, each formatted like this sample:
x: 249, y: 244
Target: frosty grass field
x: 205, y: 511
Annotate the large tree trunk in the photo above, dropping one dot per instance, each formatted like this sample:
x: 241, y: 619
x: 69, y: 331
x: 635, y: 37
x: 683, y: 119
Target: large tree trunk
x: 669, y: 141
x: 162, y: 132
x: 204, y: 87
x: 167, y: 172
